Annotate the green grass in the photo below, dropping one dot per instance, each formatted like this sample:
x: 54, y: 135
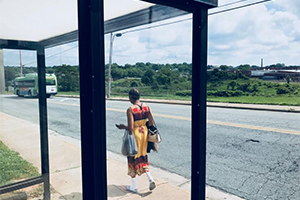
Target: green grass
x: 278, y: 100
x: 13, y: 167
x: 266, y: 94
x: 161, y: 96
x: 8, y: 92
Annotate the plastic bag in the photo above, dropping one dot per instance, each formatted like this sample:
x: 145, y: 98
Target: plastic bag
x: 129, y: 147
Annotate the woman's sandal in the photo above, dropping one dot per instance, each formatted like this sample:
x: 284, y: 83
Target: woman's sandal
x: 131, y: 190
x: 152, y: 186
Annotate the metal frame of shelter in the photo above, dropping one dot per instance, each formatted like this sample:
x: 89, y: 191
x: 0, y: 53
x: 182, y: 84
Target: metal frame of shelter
x: 90, y: 34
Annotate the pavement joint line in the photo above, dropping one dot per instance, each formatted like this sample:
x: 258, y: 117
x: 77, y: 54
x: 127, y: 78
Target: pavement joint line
x: 182, y: 184
x: 67, y: 169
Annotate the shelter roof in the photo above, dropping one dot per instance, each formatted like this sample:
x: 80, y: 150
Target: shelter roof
x: 54, y: 22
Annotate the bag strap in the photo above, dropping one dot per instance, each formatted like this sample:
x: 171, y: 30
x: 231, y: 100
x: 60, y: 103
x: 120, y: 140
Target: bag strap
x: 153, y: 120
x: 141, y: 106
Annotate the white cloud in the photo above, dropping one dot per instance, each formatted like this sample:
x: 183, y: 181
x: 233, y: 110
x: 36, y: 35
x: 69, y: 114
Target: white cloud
x: 255, y: 32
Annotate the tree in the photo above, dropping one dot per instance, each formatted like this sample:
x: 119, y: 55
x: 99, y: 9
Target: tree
x: 232, y: 84
x: 288, y: 79
x: 224, y: 67
x: 209, y: 67
x: 67, y: 77
x: 254, y: 67
x: 244, y: 67
x: 163, y: 79
x: 148, y: 77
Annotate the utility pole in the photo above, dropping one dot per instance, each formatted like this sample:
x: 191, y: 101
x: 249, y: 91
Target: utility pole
x: 112, y: 37
x: 2, y: 74
x: 21, y: 62
x: 262, y: 63
x: 109, y: 67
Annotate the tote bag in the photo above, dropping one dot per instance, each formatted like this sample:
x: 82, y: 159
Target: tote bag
x: 129, y: 147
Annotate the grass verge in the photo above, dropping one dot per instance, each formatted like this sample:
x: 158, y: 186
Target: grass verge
x: 279, y: 100
x: 291, y: 100
x: 13, y: 167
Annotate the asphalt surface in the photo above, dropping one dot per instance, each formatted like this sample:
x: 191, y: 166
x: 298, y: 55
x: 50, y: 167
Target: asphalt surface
x: 252, y: 154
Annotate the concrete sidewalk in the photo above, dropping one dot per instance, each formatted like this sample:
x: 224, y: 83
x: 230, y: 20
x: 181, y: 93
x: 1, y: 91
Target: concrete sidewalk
x: 65, y: 167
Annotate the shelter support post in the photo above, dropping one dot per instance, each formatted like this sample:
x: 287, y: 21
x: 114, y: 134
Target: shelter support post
x: 199, y: 62
x: 43, y: 120
x: 92, y: 98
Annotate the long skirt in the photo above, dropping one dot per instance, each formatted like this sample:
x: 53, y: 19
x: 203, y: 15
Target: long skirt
x: 138, y: 164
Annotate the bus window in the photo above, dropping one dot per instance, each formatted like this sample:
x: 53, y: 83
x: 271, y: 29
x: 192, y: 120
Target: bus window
x: 50, y: 82
x: 28, y: 83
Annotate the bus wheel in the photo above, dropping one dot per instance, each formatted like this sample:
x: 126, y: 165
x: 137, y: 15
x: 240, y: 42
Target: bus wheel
x: 29, y: 93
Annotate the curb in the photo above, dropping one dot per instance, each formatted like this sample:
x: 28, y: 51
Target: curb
x: 260, y: 107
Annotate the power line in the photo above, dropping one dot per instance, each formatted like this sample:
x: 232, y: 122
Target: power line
x: 239, y: 7
x: 214, y: 13
x: 62, y: 51
x: 229, y: 4
x: 165, y: 24
x: 54, y: 54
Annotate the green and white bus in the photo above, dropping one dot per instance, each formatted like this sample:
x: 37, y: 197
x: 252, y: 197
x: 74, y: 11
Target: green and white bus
x: 28, y: 85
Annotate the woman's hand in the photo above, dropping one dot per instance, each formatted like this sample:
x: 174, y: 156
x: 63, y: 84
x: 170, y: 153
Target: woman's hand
x: 122, y: 126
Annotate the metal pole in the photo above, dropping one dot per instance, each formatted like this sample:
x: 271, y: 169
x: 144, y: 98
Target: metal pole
x: 92, y: 98
x: 110, y: 61
x: 2, y: 73
x: 21, y: 66
x: 43, y: 121
x: 199, y: 62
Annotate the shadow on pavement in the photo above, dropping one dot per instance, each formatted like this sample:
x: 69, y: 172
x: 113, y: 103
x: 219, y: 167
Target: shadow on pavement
x: 72, y: 196
x: 120, y: 190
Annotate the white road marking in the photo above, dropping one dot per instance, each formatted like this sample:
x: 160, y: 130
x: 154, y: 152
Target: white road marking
x: 63, y: 99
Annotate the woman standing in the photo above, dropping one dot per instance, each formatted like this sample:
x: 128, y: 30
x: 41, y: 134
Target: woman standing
x: 137, y: 116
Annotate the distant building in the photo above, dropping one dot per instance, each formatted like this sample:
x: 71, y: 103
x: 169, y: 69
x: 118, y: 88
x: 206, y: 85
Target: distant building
x: 283, y: 74
x: 258, y: 73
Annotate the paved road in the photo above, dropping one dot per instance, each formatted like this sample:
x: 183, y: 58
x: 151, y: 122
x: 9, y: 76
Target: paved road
x: 252, y: 154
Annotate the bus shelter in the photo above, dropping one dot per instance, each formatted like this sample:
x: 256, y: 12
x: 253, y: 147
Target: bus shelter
x: 96, y: 18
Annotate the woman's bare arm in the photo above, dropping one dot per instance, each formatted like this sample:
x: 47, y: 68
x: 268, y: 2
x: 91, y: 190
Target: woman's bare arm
x: 130, y: 120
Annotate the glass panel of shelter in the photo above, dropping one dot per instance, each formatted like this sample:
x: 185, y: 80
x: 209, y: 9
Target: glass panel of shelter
x: 20, y: 156
x: 156, y: 60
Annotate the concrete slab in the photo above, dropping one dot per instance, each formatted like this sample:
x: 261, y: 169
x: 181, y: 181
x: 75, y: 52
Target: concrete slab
x: 65, y: 158
x: 67, y: 182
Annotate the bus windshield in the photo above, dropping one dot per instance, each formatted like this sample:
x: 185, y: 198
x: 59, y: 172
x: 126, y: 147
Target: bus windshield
x: 50, y: 82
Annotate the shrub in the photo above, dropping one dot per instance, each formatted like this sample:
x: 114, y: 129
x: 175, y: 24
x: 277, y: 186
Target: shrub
x: 255, y: 88
x: 154, y: 86
x: 232, y: 84
x: 244, y: 87
x: 134, y: 84
x: 282, y: 90
x: 184, y: 93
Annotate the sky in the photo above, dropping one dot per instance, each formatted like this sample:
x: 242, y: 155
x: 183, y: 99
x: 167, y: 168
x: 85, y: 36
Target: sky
x: 269, y: 30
